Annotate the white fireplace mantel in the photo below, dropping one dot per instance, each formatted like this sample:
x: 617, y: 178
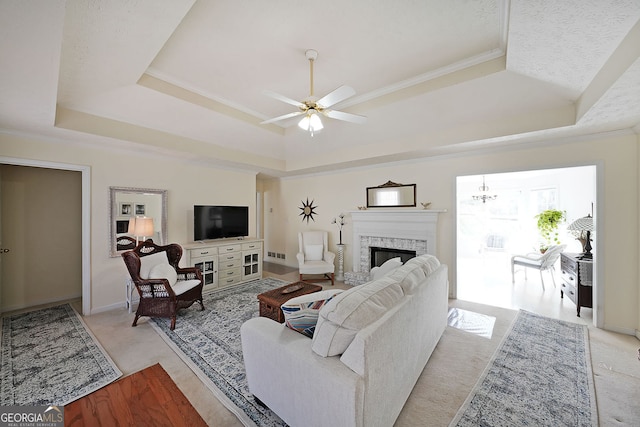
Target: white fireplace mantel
x: 414, y: 225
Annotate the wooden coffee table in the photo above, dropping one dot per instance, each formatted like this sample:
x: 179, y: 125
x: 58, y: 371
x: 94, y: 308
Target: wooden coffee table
x: 271, y: 301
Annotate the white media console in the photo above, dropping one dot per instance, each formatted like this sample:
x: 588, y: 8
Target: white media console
x: 226, y: 262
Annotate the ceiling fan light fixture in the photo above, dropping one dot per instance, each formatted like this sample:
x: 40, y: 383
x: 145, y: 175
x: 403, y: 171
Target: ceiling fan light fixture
x: 311, y: 122
x: 311, y: 106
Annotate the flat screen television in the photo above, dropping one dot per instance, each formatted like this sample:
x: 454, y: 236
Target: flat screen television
x: 217, y: 222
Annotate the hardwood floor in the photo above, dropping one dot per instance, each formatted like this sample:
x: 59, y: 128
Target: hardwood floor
x: 145, y: 398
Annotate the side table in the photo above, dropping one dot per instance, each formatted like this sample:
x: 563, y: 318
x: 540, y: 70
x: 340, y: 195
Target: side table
x: 130, y: 287
x: 340, y: 275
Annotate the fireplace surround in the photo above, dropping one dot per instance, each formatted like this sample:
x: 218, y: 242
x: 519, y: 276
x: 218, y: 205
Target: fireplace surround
x: 407, y: 230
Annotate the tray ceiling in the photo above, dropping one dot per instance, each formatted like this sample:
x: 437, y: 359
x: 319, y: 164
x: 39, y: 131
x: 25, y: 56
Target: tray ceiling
x: 186, y: 78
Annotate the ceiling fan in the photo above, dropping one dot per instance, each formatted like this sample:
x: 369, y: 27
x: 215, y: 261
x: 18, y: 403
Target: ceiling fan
x: 311, y: 107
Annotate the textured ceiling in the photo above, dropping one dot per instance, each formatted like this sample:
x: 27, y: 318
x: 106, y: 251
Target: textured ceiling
x: 187, y: 78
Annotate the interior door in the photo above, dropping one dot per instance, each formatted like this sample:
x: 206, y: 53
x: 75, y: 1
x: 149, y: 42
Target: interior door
x: 41, y: 213
x: 2, y: 248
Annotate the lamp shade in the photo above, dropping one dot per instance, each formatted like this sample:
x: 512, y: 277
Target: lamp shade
x: 582, y: 224
x: 141, y: 226
x: 132, y: 226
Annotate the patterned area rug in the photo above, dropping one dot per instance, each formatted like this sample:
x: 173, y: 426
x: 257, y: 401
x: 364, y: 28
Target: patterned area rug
x: 209, y: 342
x: 539, y: 376
x: 50, y: 357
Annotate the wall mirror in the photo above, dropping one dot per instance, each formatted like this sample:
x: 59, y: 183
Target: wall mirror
x: 391, y: 194
x: 136, y: 214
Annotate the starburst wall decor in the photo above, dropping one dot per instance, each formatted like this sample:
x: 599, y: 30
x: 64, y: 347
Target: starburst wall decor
x: 308, y: 210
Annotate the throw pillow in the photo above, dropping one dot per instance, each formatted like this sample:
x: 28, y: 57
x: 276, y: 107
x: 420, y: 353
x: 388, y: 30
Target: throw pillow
x: 164, y: 271
x: 301, y: 313
x: 149, y: 261
x: 342, y: 318
x: 313, y: 252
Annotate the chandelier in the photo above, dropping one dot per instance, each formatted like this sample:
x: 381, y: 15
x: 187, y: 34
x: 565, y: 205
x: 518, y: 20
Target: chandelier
x: 484, y: 193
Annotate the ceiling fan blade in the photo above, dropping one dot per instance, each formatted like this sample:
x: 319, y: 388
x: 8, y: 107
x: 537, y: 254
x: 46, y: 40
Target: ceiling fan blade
x: 347, y: 117
x: 283, y: 98
x: 340, y: 94
x: 283, y: 117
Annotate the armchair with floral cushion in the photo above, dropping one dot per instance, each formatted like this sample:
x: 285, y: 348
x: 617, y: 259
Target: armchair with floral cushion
x: 164, y: 287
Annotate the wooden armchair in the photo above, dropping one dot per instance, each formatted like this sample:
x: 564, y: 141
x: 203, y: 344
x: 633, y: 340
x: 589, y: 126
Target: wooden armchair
x: 125, y: 242
x: 163, y: 286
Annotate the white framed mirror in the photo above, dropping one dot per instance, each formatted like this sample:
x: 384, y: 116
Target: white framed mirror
x: 130, y: 206
x: 391, y: 194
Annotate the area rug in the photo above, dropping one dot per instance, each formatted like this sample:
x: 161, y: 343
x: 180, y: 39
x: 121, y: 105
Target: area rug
x: 539, y: 376
x: 50, y: 357
x: 209, y: 343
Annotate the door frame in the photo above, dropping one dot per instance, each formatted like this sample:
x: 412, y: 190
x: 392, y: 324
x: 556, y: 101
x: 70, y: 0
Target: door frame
x: 598, y: 216
x: 86, y: 217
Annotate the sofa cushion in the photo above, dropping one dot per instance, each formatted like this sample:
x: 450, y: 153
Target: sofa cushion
x: 182, y: 286
x: 301, y: 313
x: 428, y: 263
x: 150, y: 261
x: 410, y: 275
x: 164, y: 271
x: 313, y: 252
x: 386, y: 267
x: 341, y: 319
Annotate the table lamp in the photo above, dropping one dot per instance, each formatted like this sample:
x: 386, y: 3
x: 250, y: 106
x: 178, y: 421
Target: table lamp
x: 141, y: 226
x: 585, y: 227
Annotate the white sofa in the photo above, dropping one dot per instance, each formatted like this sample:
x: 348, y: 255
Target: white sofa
x: 370, y: 345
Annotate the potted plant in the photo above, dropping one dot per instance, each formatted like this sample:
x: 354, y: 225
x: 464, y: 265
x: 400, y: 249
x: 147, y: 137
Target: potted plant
x: 548, y: 223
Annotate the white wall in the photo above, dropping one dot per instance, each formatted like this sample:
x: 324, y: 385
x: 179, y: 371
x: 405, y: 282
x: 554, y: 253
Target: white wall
x: 616, y: 156
x: 187, y: 184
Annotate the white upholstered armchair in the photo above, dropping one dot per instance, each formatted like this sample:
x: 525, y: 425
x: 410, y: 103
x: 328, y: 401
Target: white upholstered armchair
x: 314, y: 257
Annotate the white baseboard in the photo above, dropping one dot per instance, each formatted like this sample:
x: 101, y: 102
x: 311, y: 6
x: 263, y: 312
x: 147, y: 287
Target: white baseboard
x: 39, y: 303
x: 625, y: 331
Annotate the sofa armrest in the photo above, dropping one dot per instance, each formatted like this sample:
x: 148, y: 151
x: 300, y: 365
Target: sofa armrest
x: 294, y: 382
x: 408, y: 333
